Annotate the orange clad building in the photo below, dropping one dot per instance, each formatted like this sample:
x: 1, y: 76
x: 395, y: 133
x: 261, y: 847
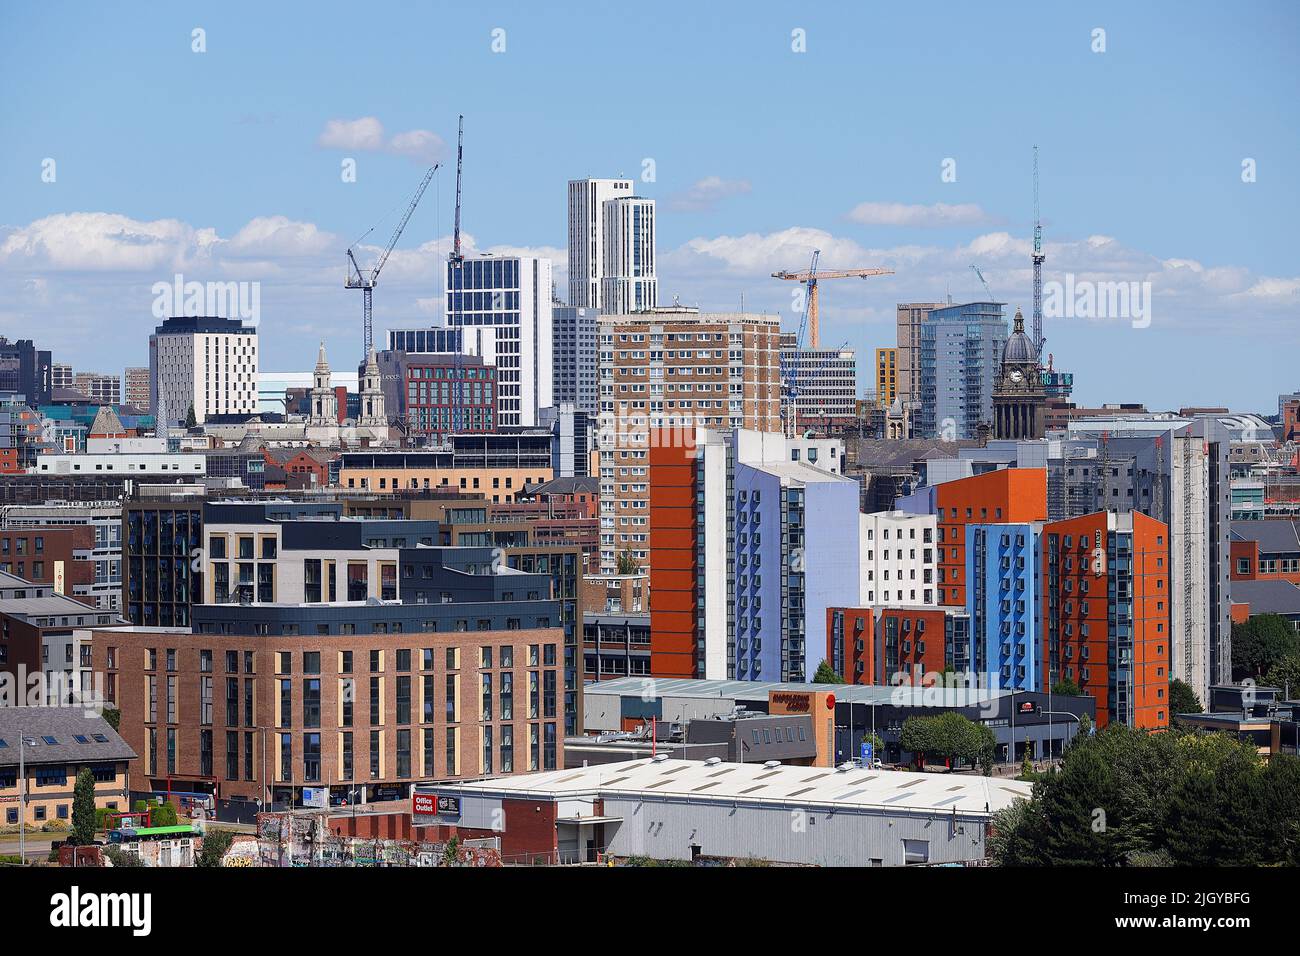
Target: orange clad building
x: 673, y: 601
x: 1106, y: 614
x: 870, y: 645
x: 995, y: 497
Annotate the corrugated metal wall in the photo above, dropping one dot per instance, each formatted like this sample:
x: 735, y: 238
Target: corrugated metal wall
x: 666, y: 831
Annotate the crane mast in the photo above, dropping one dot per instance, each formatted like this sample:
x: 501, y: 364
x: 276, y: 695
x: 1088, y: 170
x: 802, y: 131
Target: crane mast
x: 455, y: 261
x: 1038, y: 266
x: 365, y: 280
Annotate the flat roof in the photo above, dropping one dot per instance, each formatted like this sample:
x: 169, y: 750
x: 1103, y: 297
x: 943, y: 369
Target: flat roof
x: 659, y: 687
x: 694, y: 780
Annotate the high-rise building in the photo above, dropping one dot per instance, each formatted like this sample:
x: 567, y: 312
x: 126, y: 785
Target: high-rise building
x: 908, y: 319
x: 440, y: 340
x: 819, y: 386
x: 573, y: 347
x: 628, y: 280
x: 755, y: 547
x: 512, y: 296
x: 886, y: 376
x: 436, y: 395
x: 587, y: 198
x: 898, y: 561
x: 1004, y: 603
x: 405, y: 660
x: 1007, y: 495
x: 961, y: 353
x: 205, y: 363
x: 61, y: 375
x: 670, y: 371
x: 135, y: 388
x: 1107, y: 614
x: 102, y: 523
x: 99, y: 388
x: 25, y: 370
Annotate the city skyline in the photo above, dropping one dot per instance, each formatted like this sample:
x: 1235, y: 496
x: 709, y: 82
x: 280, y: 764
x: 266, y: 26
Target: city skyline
x: 231, y: 172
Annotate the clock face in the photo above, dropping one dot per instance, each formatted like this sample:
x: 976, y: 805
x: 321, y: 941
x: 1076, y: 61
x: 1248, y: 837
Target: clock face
x: 1017, y: 376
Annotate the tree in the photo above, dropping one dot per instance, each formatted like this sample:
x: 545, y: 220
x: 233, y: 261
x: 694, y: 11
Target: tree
x: 216, y: 844
x: 119, y: 857
x: 113, y: 717
x: 826, y: 675
x: 627, y: 562
x: 191, y: 420
x: 83, y: 808
x: 1007, y: 831
x: 1286, y: 675
x: 951, y: 737
x: 1261, y: 642
x: 451, y: 853
x: 1126, y: 797
x: 877, y: 745
x: 1182, y: 699
x: 1067, y: 688
x: 164, y: 815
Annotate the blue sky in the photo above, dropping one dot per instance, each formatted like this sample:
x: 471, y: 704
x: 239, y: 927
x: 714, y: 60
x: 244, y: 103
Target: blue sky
x: 220, y: 164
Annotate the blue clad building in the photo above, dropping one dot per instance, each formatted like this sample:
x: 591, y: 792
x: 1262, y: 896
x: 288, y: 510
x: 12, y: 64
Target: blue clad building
x: 1003, y: 600
x: 961, y: 353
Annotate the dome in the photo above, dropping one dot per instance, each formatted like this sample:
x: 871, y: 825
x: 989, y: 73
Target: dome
x: 1019, y: 349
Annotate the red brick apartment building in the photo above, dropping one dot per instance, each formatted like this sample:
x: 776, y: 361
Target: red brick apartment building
x: 60, y: 558
x: 872, y: 645
x: 244, y: 717
x: 1265, y: 550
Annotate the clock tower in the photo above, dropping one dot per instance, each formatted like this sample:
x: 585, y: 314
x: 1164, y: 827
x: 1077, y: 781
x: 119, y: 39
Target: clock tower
x: 1019, y: 398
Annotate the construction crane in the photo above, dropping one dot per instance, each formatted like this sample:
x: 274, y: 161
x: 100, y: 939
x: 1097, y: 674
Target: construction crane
x: 365, y: 280
x: 983, y: 282
x: 810, y: 279
x: 457, y: 260
x: 1038, y: 266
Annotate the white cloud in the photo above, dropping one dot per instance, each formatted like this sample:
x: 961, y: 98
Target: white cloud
x: 64, y: 279
x: 918, y: 216
x: 706, y: 193
x: 366, y: 134
x: 418, y: 144
x: 95, y: 241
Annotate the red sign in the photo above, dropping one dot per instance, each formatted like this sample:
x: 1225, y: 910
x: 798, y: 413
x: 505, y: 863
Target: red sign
x: 830, y: 700
x: 1026, y: 707
x: 424, y: 803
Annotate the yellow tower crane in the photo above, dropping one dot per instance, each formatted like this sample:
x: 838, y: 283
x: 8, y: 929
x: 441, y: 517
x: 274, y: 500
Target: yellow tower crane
x: 811, y: 277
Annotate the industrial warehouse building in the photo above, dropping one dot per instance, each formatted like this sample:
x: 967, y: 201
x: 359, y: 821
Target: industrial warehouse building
x: 667, y: 809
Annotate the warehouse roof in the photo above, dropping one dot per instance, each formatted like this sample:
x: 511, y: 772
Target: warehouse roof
x: 694, y: 780
x: 655, y: 687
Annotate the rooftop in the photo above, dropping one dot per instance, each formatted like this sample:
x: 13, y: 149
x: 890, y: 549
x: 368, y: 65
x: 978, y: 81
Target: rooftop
x: 758, y: 690
x: 694, y: 780
x: 1267, y: 597
x: 77, y: 738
